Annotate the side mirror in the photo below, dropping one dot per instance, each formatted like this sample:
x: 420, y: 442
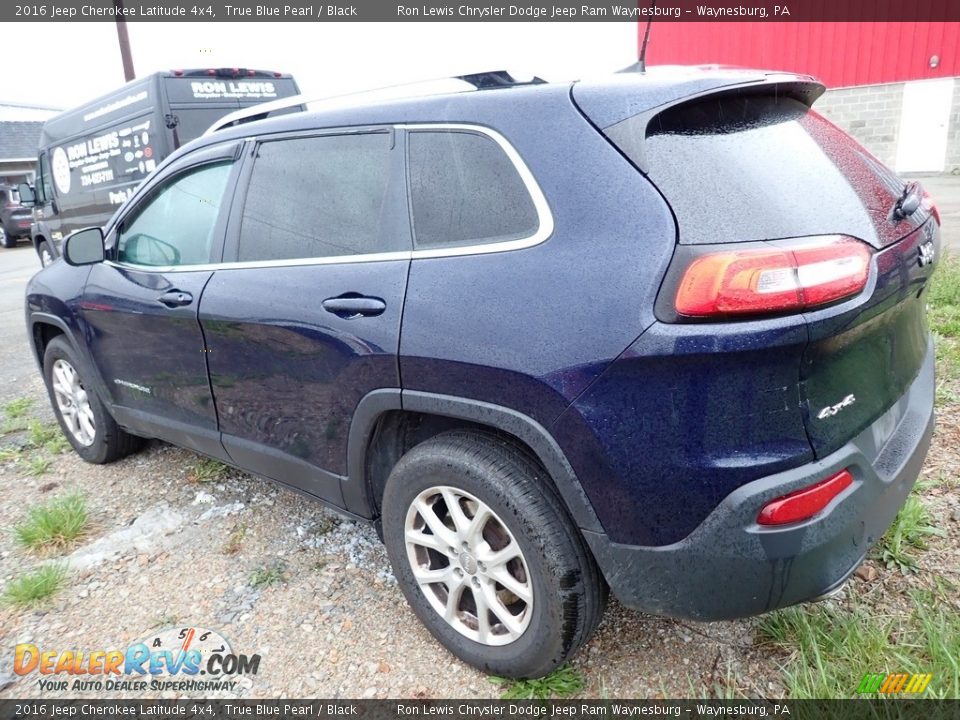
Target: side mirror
x: 84, y: 247
x: 28, y: 198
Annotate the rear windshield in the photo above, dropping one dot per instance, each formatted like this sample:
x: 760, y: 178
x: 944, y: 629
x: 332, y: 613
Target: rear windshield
x: 738, y: 168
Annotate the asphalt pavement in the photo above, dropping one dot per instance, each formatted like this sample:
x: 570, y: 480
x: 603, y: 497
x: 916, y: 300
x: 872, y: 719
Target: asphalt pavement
x: 18, y: 371
x: 945, y: 190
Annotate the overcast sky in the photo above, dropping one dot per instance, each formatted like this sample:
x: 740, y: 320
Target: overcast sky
x: 65, y: 64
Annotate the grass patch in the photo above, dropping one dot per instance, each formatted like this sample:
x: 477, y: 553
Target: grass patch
x: 165, y: 620
x: 34, y: 588
x: 8, y: 427
x: 944, y: 316
x: 946, y: 395
x: 273, y: 574
x: 48, y: 436
x: 10, y: 454
x: 15, y: 416
x: 945, y: 286
x: 562, y: 682
x: 945, y: 479
x: 54, y: 525
x: 17, y: 408
x: 907, y: 535
x: 37, y: 465
x: 206, y: 470
x: 235, y: 540
x: 831, y: 649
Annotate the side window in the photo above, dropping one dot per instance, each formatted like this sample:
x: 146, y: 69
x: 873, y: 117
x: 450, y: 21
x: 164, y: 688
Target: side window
x: 44, y: 191
x: 318, y: 197
x: 174, y: 225
x: 465, y: 191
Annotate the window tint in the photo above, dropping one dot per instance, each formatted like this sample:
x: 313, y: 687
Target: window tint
x: 739, y: 168
x: 318, y: 197
x: 193, y: 122
x: 466, y: 190
x: 175, y: 225
x: 44, y: 191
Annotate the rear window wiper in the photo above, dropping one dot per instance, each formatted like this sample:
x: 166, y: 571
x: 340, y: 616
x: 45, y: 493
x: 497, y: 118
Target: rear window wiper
x: 908, y: 202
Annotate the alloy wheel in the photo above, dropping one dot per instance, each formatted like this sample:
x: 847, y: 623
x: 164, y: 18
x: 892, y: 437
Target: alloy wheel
x: 468, y: 565
x: 73, y: 403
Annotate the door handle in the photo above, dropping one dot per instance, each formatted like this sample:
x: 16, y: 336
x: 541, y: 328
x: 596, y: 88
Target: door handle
x: 351, y: 306
x: 175, y: 298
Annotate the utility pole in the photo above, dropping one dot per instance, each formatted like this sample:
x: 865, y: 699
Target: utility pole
x: 124, y: 39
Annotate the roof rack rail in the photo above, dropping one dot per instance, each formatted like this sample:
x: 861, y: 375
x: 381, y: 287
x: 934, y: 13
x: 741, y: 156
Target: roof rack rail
x: 497, y: 79
x: 440, y: 86
x: 298, y: 103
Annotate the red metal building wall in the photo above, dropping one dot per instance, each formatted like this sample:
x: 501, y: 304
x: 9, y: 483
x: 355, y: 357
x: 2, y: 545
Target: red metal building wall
x: 839, y: 54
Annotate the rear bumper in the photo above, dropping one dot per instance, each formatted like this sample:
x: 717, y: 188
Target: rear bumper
x: 731, y: 567
x: 17, y: 227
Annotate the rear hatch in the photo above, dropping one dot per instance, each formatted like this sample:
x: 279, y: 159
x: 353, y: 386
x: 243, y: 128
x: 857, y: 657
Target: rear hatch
x: 20, y: 216
x: 754, y: 164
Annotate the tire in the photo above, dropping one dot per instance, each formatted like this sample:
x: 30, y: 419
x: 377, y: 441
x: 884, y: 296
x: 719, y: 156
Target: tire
x: 8, y: 240
x: 91, y: 431
x: 46, y: 253
x: 550, y: 563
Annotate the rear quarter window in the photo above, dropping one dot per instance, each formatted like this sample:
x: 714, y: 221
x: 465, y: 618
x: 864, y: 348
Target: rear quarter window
x: 465, y: 190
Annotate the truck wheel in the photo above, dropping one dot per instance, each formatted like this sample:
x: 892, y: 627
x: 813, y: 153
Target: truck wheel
x: 82, y: 416
x: 487, y: 557
x: 7, y: 240
x: 46, y: 254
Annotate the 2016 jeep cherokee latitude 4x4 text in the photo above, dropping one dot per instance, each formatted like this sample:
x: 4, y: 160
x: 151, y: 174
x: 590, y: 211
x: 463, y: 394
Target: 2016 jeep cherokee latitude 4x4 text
x: 663, y: 333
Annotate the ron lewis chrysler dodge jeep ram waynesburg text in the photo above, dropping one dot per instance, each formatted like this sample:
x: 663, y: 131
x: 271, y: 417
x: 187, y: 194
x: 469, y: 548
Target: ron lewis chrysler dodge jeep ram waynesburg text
x: 661, y: 333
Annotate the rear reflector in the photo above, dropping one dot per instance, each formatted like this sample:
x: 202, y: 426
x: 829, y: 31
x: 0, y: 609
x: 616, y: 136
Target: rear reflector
x: 930, y: 206
x: 813, y: 272
x: 805, y: 503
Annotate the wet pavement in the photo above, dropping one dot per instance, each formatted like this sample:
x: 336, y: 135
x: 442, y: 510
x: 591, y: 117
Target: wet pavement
x: 945, y: 190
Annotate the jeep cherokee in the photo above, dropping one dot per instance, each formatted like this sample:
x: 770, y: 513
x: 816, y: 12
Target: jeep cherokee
x: 662, y: 333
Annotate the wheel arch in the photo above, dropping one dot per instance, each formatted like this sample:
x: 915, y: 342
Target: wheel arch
x: 388, y: 422
x: 43, y: 328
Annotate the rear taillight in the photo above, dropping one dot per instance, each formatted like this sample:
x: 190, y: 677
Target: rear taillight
x: 774, y: 279
x: 931, y: 207
x: 805, y: 503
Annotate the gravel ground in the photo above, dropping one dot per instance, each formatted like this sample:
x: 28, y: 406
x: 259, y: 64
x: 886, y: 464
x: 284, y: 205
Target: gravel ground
x: 166, y: 550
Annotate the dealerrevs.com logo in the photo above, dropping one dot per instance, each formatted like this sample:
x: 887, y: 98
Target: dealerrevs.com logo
x: 177, y: 659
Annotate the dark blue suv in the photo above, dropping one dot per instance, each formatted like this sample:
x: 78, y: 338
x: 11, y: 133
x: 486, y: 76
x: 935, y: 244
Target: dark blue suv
x: 663, y: 333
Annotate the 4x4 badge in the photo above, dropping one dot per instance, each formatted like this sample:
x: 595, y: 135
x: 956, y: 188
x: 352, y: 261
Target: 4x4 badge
x: 831, y: 410
x: 926, y: 253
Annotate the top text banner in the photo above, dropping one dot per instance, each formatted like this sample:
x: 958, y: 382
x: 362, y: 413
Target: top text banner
x: 419, y: 11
